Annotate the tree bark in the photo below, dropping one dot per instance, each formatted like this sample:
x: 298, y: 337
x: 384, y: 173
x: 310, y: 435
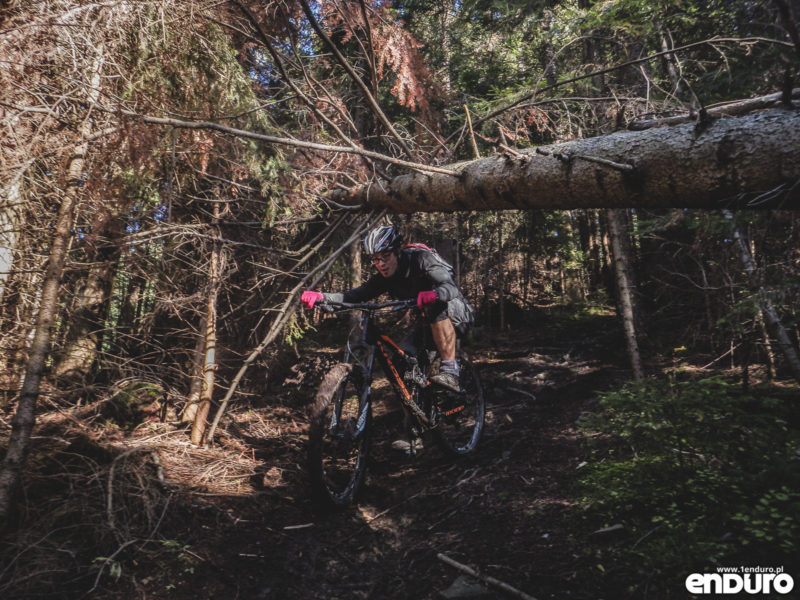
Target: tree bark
x: 501, y: 272
x: 10, y: 200
x: 771, y: 317
x: 751, y: 161
x: 209, y: 355
x: 196, y: 378
x: 85, y: 327
x: 355, y: 280
x: 25, y: 415
x: 622, y: 270
x: 24, y: 418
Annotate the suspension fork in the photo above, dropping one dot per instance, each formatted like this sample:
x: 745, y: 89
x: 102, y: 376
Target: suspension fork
x: 361, y: 356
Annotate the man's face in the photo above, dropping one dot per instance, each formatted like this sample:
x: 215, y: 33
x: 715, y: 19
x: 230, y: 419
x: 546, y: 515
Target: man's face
x: 385, y: 262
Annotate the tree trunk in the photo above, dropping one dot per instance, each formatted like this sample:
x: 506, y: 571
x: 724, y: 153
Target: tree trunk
x: 607, y: 262
x: 671, y: 64
x: 355, y: 280
x: 11, y: 329
x: 622, y: 269
x: 488, y: 280
x: 598, y: 82
x: 85, y: 327
x: 727, y: 161
x: 209, y: 355
x: 10, y: 224
x: 447, y: 9
x: 762, y: 328
x: 457, y: 252
x: 501, y: 271
x: 526, y: 273
x: 590, y: 245
x: 196, y: 382
x: 790, y: 17
x: 25, y: 416
x: 549, y: 66
x: 771, y: 317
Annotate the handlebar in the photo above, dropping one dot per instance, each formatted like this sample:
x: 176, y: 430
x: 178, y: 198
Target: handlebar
x: 395, y: 305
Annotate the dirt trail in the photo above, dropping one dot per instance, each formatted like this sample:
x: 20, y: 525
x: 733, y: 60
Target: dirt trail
x: 140, y: 513
x: 507, y: 511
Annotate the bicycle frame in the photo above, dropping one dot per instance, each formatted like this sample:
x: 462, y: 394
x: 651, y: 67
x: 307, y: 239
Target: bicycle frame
x: 339, y: 429
x: 363, y: 353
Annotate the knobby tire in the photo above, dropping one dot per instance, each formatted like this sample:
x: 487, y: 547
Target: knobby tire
x: 458, y: 433
x: 337, y: 461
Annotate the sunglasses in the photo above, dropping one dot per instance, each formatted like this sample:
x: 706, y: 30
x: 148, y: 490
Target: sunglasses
x: 381, y: 257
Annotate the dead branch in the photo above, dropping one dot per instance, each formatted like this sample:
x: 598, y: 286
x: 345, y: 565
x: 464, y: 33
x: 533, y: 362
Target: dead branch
x: 712, y: 41
x: 286, y: 311
x: 727, y: 109
x: 299, y: 92
x: 512, y: 591
x: 181, y: 124
x: 522, y: 393
x: 110, y: 487
x: 108, y: 560
x: 376, y: 109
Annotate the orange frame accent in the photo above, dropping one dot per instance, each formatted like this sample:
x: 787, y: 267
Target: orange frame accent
x: 403, y: 389
x: 386, y: 338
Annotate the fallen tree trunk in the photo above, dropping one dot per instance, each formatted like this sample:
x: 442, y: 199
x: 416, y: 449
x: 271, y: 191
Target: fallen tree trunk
x: 738, y: 162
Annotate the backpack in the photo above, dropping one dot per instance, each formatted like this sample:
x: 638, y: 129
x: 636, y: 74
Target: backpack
x: 436, y: 256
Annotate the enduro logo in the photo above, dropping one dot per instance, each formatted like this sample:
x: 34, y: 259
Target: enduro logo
x: 735, y: 580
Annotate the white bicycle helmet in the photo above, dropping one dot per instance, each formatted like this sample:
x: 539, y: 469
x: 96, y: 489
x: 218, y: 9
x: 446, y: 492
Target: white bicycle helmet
x: 382, y: 239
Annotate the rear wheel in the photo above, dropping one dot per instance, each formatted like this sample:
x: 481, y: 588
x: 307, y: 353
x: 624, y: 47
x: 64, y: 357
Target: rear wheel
x: 459, y: 416
x: 339, y: 437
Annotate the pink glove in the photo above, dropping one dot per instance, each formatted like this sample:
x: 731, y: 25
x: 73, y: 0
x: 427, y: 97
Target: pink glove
x: 310, y: 298
x: 425, y: 298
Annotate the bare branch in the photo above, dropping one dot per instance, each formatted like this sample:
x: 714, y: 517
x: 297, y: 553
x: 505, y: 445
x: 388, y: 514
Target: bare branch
x: 178, y: 123
x: 357, y: 80
x: 712, y: 41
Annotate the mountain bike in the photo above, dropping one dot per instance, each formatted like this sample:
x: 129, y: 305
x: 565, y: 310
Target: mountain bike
x: 341, y: 416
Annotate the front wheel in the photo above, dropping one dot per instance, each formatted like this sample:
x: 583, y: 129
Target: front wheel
x: 339, y: 437
x: 459, y: 416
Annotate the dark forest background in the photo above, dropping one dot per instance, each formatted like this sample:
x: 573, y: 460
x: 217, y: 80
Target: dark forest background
x: 152, y: 249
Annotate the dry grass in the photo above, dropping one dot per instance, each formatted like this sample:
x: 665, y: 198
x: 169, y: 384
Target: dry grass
x: 95, y: 492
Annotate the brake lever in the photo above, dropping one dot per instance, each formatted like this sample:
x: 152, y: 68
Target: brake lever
x: 325, y: 307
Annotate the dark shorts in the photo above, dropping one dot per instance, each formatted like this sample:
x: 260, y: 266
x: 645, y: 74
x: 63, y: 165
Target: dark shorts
x: 458, y: 310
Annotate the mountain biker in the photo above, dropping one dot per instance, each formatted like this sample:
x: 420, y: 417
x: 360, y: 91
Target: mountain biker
x: 413, y: 271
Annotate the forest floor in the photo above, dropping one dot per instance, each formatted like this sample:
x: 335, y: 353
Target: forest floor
x: 143, y: 514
